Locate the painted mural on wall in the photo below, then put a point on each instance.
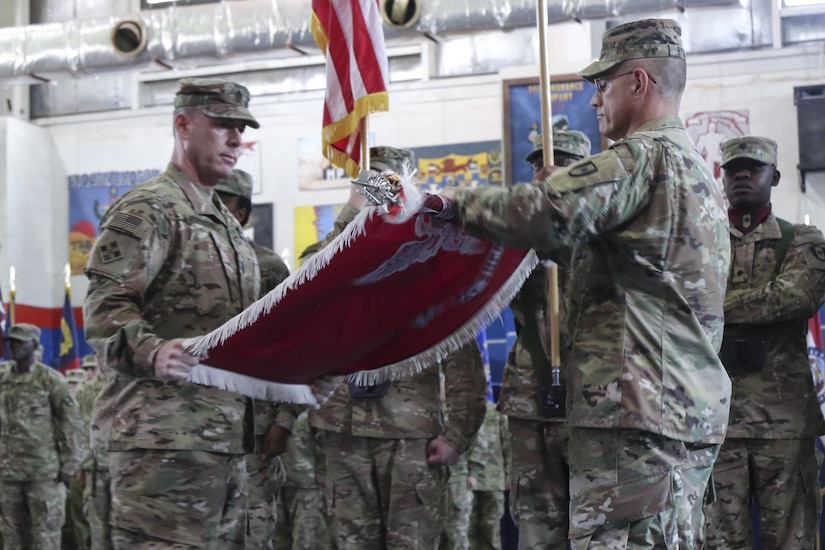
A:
(459, 165)
(90, 195)
(312, 223)
(710, 129)
(570, 105)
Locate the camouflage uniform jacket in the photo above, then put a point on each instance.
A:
(779, 401)
(411, 409)
(40, 433)
(302, 456)
(492, 451)
(170, 262)
(85, 403)
(648, 270)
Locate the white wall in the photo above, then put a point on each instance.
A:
(35, 218)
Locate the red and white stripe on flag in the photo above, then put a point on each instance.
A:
(350, 34)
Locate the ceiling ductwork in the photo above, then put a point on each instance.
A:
(243, 27)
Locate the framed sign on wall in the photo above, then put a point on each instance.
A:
(570, 104)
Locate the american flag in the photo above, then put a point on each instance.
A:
(349, 33)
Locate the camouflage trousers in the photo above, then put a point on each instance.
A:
(539, 480)
(485, 521)
(263, 479)
(302, 520)
(631, 489)
(782, 477)
(32, 514)
(177, 499)
(96, 501)
(382, 493)
(457, 518)
(75, 533)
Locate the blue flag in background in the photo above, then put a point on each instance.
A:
(69, 357)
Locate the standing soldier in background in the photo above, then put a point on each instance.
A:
(776, 283)
(74, 381)
(95, 476)
(492, 451)
(301, 518)
(539, 494)
(40, 445)
(172, 263)
(272, 422)
(77, 530)
(647, 396)
(388, 445)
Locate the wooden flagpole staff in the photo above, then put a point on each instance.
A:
(547, 149)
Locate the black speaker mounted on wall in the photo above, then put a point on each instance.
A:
(810, 116)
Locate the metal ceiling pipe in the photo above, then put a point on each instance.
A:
(224, 29)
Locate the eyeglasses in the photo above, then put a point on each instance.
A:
(601, 82)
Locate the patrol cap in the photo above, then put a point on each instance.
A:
(572, 142)
(216, 99)
(23, 332)
(391, 158)
(637, 40)
(89, 362)
(76, 376)
(760, 149)
(239, 183)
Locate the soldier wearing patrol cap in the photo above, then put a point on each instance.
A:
(647, 396)
(539, 499)
(171, 263)
(388, 446)
(776, 283)
(40, 445)
(272, 422)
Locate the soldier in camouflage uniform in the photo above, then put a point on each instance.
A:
(94, 471)
(539, 495)
(302, 521)
(74, 381)
(272, 422)
(170, 263)
(388, 446)
(492, 451)
(77, 529)
(647, 396)
(459, 506)
(776, 283)
(40, 445)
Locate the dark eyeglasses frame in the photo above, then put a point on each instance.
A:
(601, 82)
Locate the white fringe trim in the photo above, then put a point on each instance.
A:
(246, 385)
(201, 345)
(255, 388)
(467, 332)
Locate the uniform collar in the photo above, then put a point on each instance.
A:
(203, 203)
(747, 220)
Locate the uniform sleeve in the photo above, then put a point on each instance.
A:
(587, 199)
(466, 395)
(71, 446)
(286, 414)
(132, 247)
(797, 292)
(506, 452)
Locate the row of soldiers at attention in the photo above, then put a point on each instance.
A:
(685, 394)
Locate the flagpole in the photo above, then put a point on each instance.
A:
(365, 143)
(547, 147)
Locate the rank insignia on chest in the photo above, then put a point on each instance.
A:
(110, 252)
